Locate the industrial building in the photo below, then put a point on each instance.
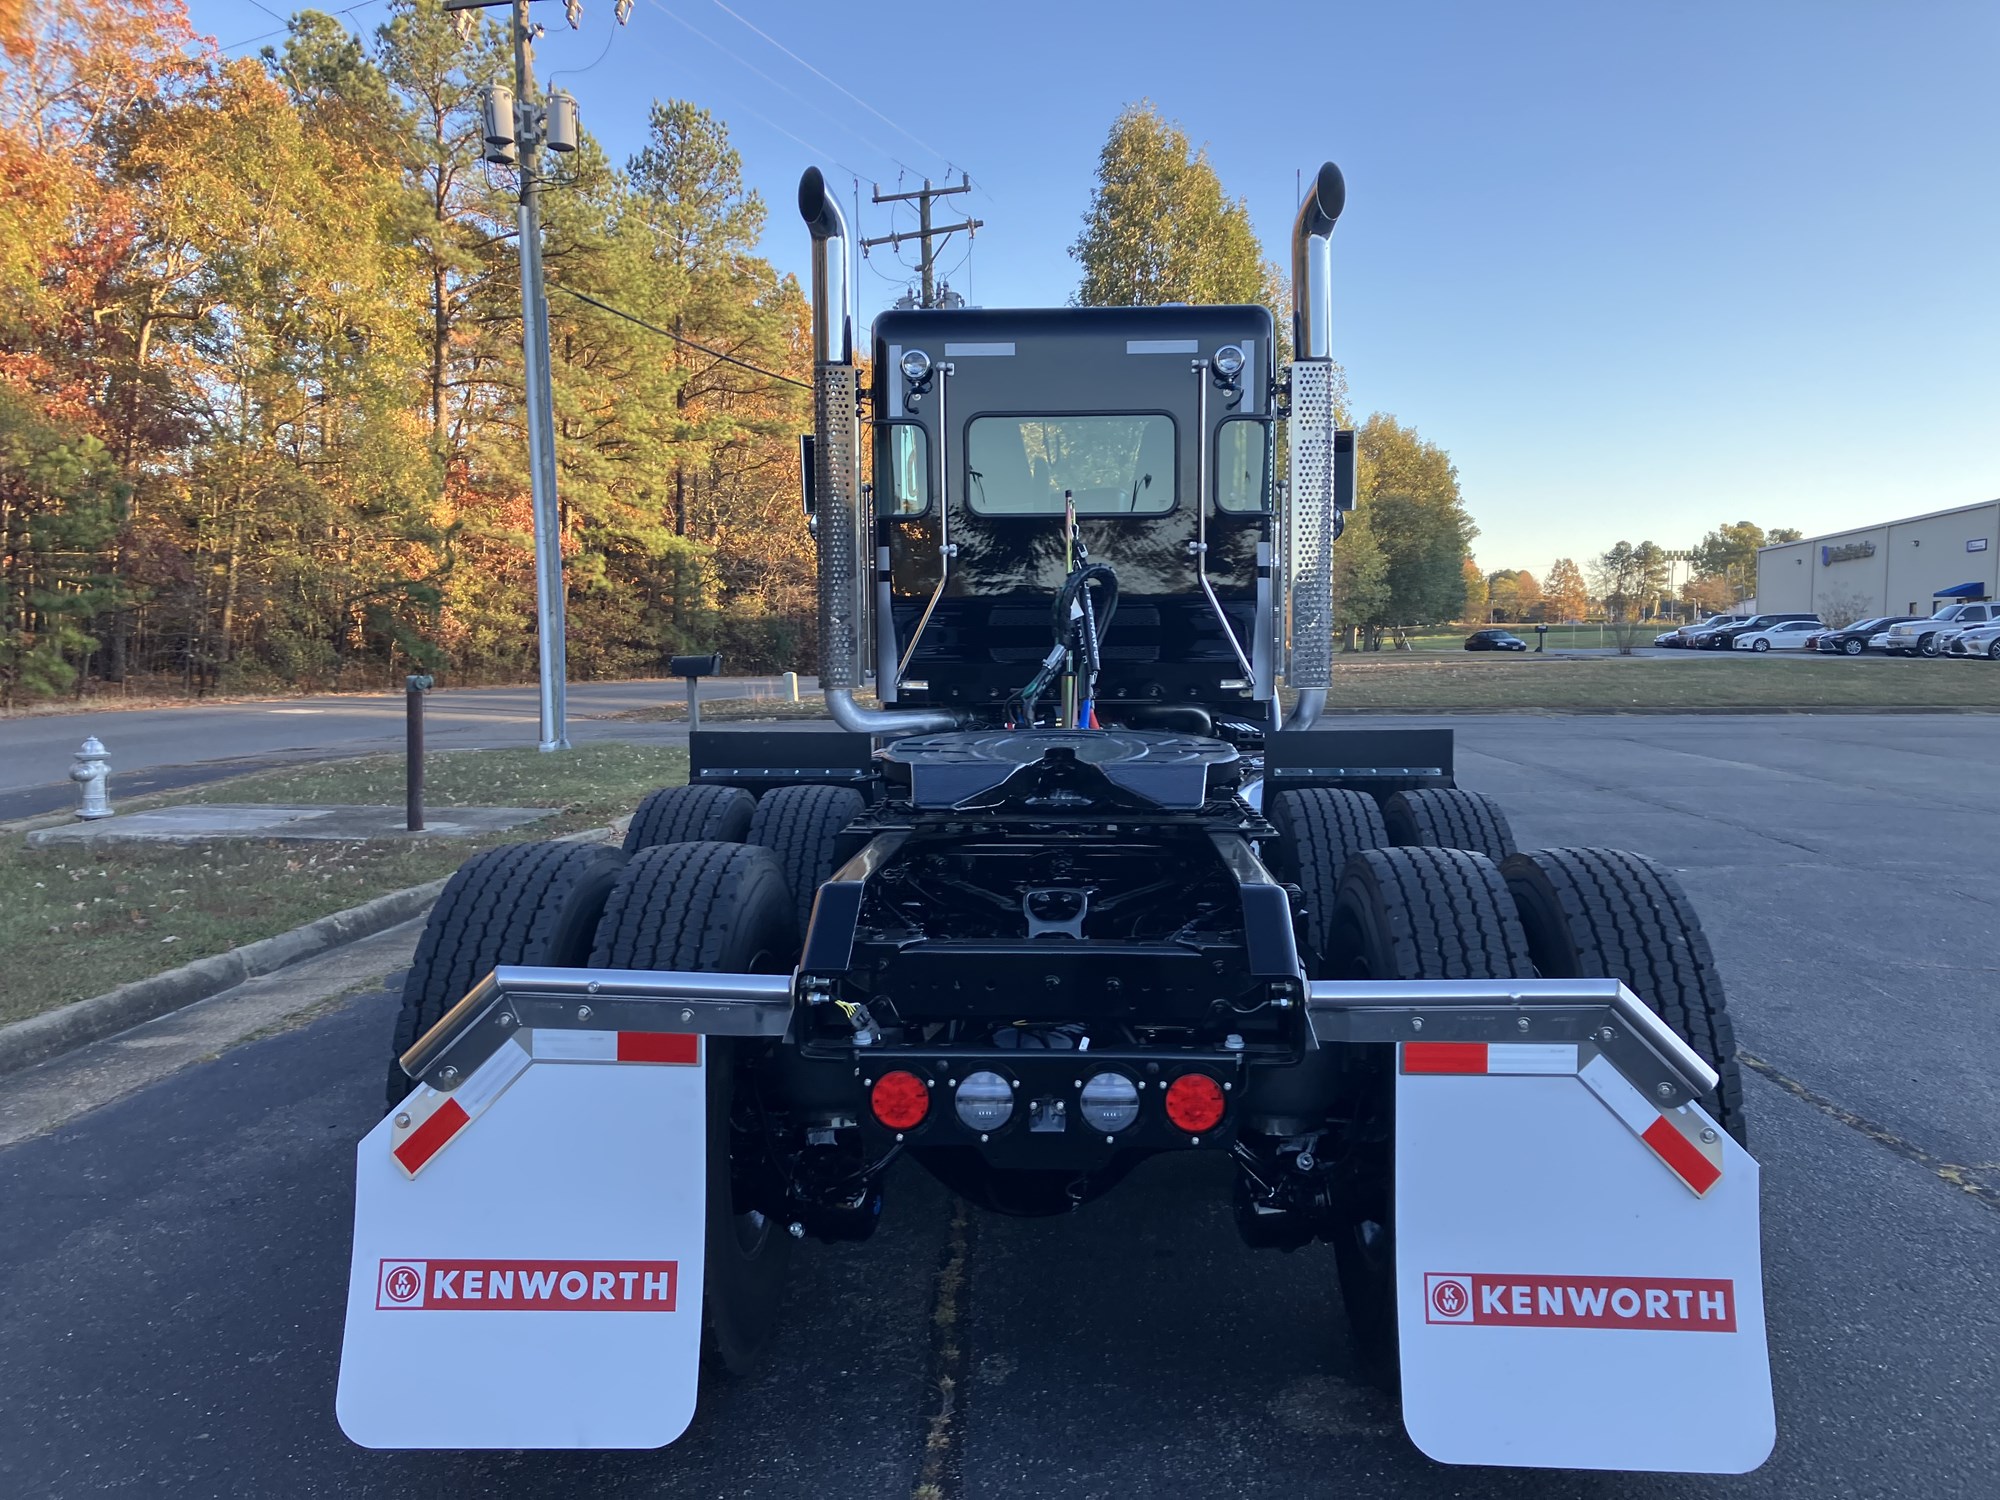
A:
(1897, 568)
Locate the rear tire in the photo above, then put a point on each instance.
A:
(689, 815)
(718, 907)
(1446, 818)
(518, 904)
(1610, 914)
(1993, 652)
(1319, 830)
(801, 826)
(1410, 913)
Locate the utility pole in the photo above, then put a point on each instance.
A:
(516, 128)
(926, 232)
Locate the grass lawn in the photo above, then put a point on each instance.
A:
(1480, 680)
(76, 921)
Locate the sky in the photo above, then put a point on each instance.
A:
(1640, 269)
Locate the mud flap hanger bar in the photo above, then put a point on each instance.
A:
(1598, 1013)
(513, 997)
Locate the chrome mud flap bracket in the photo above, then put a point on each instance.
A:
(529, 1224)
(1578, 1271)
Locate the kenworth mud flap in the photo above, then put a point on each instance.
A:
(1577, 1265)
(529, 1223)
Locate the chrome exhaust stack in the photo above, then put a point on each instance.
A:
(840, 526)
(1312, 429)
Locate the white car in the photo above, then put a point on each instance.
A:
(1786, 635)
(1979, 640)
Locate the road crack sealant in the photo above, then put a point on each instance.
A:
(1965, 1178)
(940, 1475)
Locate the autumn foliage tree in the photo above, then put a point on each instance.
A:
(260, 354)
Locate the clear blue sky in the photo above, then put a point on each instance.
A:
(1640, 269)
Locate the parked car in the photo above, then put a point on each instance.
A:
(1687, 633)
(1669, 640)
(1927, 637)
(1852, 640)
(1725, 637)
(1787, 635)
(1976, 640)
(1494, 640)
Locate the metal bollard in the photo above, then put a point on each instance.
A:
(92, 775)
(414, 688)
(792, 687)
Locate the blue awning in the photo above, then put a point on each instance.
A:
(1962, 591)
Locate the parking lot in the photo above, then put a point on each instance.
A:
(174, 1263)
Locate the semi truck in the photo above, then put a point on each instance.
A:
(1097, 874)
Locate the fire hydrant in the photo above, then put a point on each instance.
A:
(92, 775)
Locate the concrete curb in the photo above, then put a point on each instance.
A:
(54, 1032)
(25, 1043)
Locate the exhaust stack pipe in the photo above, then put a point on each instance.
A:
(837, 477)
(1312, 265)
(1312, 425)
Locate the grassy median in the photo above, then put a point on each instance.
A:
(1421, 682)
(77, 920)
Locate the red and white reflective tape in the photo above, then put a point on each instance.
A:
(1675, 1136)
(553, 1045)
(430, 1119)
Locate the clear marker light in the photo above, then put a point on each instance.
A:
(985, 1101)
(1228, 361)
(1110, 1102)
(916, 364)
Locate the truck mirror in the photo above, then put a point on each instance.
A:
(808, 496)
(1343, 470)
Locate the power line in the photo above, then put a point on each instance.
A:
(754, 113)
(282, 30)
(837, 84)
(668, 333)
(782, 88)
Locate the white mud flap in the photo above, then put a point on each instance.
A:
(528, 1251)
(1578, 1274)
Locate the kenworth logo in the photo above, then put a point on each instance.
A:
(528, 1285)
(1652, 1302)
(1851, 552)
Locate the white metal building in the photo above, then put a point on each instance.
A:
(1898, 568)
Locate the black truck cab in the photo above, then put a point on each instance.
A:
(1153, 424)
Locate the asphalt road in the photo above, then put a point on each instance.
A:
(172, 1264)
(164, 749)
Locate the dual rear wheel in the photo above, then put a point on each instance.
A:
(709, 880)
(1424, 910)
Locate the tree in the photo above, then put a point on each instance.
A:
(1160, 228)
(1565, 593)
(1628, 578)
(1408, 490)
(1475, 592)
(59, 501)
(1713, 595)
(1513, 594)
(1780, 534)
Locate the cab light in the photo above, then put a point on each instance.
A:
(1194, 1103)
(900, 1100)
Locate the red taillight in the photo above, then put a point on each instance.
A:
(900, 1100)
(1194, 1103)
